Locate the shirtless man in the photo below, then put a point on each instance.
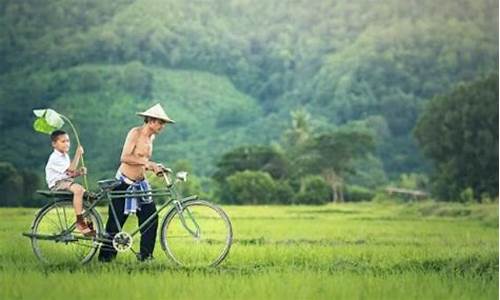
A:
(135, 161)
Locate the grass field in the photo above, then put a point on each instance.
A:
(349, 251)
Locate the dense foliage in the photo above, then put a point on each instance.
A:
(230, 73)
(459, 132)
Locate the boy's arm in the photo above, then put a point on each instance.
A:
(74, 164)
(79, 172)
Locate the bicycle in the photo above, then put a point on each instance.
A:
(193, 232)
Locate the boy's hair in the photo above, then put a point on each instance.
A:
(56, 134)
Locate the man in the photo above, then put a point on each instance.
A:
(135, 161)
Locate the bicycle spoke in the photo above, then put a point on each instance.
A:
(65, 218)
(67, 246)
(56, 226)
(59, 218)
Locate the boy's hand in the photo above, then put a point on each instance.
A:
(83, 171)
(79, 151)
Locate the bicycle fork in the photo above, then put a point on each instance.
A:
(196, 233)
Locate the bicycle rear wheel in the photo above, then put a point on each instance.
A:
(200, 236)
(52, 240)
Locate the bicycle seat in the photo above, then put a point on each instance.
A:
(65, 194)
(53, 194)
(108, 184)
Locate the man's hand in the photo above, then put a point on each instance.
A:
(157, 169)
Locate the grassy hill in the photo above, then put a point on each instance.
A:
(212, 116)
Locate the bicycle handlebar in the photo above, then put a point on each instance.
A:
(163, 170)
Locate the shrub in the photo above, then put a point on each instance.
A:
(283, 193)
(250, 187)
(357, 193)
(467, 195)
(313, 190)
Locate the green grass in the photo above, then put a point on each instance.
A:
(351, 251)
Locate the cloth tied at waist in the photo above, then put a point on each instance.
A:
(133, 203)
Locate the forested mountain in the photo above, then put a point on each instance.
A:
(230, 72)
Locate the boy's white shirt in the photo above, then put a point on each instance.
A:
(56, 167)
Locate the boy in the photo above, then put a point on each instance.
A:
(60, 172)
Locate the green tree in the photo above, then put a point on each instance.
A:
(313, 190)
(458, 131)
(332, 154)
(250, 187)
(300, 130)
(283, 192)
(256, 158)
(11, 185)
(17, 187)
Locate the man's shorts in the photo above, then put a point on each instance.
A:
(62, 185)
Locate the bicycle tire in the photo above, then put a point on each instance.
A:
(167, 228)
(41, 227)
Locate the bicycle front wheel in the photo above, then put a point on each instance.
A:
(199, 236)
(52, 239)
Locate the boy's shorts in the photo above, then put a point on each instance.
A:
(62, 185)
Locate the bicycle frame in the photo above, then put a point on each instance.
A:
(170, 190)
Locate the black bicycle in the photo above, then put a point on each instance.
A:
(194, 232)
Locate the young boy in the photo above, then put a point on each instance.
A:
(60, 172)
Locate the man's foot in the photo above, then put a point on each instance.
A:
(144, 257)
(104, 259)
(107, 253)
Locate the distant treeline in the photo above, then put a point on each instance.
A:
(457, 130)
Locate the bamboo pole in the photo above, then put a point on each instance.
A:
(85, 182)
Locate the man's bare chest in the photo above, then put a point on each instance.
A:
(144, 147)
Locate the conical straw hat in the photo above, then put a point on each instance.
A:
(156, 112)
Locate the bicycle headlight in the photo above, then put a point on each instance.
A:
(181, 176)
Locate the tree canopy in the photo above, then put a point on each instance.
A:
(459, 132)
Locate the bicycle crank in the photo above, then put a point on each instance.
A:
(122, 241)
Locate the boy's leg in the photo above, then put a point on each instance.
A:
(148, 233)
(81, 225)
(78, 192)
(107, 252)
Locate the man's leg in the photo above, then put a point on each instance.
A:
(107, 252)
(148, 233)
